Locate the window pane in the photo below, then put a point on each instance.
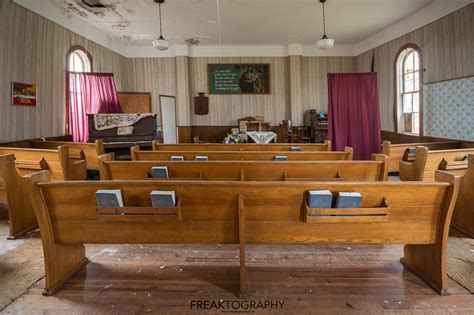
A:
(416, 102)
(408, 79)
(416, 123)
(416, 78)
(409, 62)
(416, 60)
(407, 103)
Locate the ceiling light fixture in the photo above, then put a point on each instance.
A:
(325, 43)
(161, 43)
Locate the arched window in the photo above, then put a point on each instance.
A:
(79, 60)
(408, 91)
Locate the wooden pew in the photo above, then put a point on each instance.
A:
(463, 216)
(426, 162)
(217, 212)
(140, 155)
(249, 170)
(77, 150)
(15, 164)
(326, 146)
(58, 161)
(395, 152)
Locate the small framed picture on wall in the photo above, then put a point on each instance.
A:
(24, 94)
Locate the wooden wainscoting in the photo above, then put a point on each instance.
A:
(213, 134)
(184, 134)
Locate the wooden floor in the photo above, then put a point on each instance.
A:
(320, 279)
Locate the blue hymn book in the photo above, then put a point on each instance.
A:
(163, 199)
(348, 200)
(281, 158)
(319, 199)
(177, 158)
(111, 198)
(159, 171)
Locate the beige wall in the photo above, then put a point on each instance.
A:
(33, 50)
(161, 76)
(224, 110)
(448, 52)
(315, 82)
(155, 75)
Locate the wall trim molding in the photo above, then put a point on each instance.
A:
(430, 13)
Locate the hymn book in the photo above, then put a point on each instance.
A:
(163, 199)
(319, 199)
(159, 172)
(110, 198)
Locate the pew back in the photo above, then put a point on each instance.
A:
(326, 146)
(139, 155)
(77, 150)
(249, 170)
(427, 162)
(274, 208)
(395, 152)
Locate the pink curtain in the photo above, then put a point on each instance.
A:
(89, 93)
(354, 114)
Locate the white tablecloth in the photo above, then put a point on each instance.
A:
(262, 137)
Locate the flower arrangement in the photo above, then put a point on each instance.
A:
(235, 136)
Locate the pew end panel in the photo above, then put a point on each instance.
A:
(350, 153)
(21, 216)
(103, 168)
(385, 162)
(463, 216)
(99, 144)
(134, 150)
(429, 261)
(61, 261)
(72, 169)
(413, 171)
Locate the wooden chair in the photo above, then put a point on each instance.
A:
(138, 154)
(375, 170)
(304, 135)
(463, 216)
(244, 213)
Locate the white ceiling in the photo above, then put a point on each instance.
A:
(132, 24)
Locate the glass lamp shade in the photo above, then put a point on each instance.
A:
(161, 43)
(325, 43)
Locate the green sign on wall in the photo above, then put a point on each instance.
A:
(239, 78)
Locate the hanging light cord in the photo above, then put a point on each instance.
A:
(324, 22)
(161, 31)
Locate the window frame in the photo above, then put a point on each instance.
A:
(398, 93)
(84, 51)
(68, 56)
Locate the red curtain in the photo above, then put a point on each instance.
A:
(89, 93)
(354, 113)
